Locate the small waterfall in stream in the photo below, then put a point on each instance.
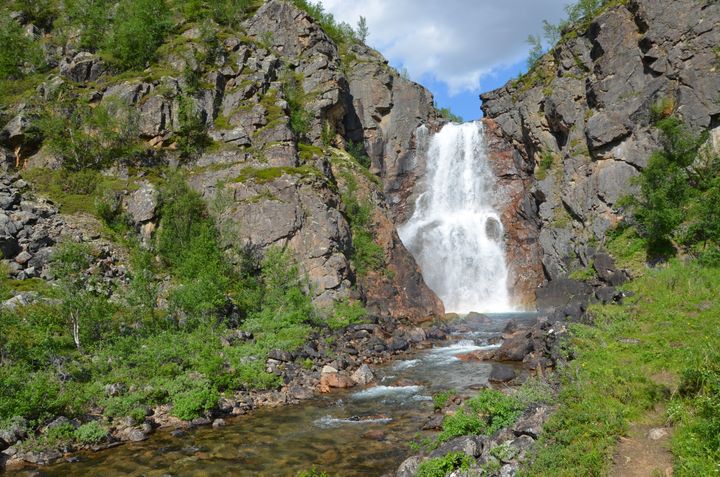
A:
(455, 234)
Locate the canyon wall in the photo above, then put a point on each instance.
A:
(582, 120)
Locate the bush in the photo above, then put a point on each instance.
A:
(192, 398)
(187, 242)
(90, 433)
(357, 151)
(295, 96)
(440, 399)
(139, 29)
(92, 18)
(90, 138)
(17, 50)
(191, 136)
(442, 466)
(366, 255)
(679, 190)
(345, 313)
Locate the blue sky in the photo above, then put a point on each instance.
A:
(455, 48)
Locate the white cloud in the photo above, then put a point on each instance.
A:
(457, 42)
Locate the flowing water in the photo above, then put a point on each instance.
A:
(455, 234)
(329, 431)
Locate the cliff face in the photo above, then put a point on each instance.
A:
(582, 117)
(264, 182)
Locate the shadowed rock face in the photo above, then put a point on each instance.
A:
(588, 106)
(389, 109)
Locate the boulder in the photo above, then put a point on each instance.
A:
(82, 67)
(501, 374)
(335, 380)
(363, 375)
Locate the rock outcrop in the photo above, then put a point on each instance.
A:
(582, 116)
(274, 99)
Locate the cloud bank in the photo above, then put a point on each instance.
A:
(456, 42)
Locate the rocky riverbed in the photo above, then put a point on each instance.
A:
(380, 387)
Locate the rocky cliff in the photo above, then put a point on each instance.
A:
(581, 120)
(263, 181)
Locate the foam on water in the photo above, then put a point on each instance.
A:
(386, 391)
(329, 421)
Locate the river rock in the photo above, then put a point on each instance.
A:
(501, 374)
(218, 423)
(409, 467)
(469, 445)
(335, 380)
(363, 375)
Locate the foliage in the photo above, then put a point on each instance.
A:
(362, 29)
(88, 137)
(628, 363)
(91, 433)
(441, 398)
(676, 194)
(497, 409)
(313, 472)
(17, 50)
(441, 466)
(450, 116)
(187, 242)
(345, 313)
(41, 13)
(367, 255)
(547, 160)
(340, 32)
(139, 28)
(295, 96)
(357, 151)
(191, 137)
(92, 18)
(536, 50)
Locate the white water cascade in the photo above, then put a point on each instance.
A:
(455, 234)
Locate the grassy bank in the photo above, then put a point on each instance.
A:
(659, 348)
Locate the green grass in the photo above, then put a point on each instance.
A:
(74, 192)
(628, 249)
(615, 379)
(441, 466)
(270, 174)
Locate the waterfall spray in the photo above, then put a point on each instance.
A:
(455, 234)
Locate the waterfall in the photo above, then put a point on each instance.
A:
(455, 234)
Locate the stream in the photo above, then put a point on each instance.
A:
(362, 431)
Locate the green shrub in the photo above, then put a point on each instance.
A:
(441, 466)
(139, 28)
(313, 472)
(450, 116)
(441, 398)
(17, 50)
(366, 254)
(340, 32)
(90, 137)
(678, 192)
(41, 13)
(192, 398)
(295, 96)
(191, 136)
(357, 151)
(345, 313)
(91, 433)
(92, 18)
(497, 409)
